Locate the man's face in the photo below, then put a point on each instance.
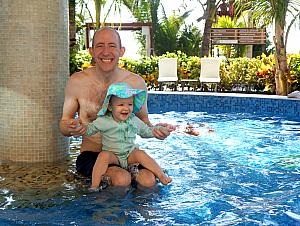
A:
(106, 50)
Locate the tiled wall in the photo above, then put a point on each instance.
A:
(219, 103)
(33, 70)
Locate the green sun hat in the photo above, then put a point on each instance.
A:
(123, 90)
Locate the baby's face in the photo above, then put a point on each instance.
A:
(121, 108)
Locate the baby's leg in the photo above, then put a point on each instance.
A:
(104, 159)
(139, 156)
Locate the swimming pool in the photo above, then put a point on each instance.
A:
(247, 172)
(271, 105)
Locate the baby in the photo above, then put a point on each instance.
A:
(119, 126)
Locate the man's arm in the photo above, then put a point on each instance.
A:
(137, 82)
(68, 125)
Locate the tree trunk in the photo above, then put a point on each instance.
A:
(209, 15)
(72, 25)
(98, 5)
(155, 25)
(205, 46)
(280, 61)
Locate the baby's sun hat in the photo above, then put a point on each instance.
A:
(123, 90)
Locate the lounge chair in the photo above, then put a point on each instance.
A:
(189, 83)
(295, 94)
(210, 72)
(167, 73)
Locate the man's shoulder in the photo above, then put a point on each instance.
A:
(82, 75)
(134, 76)
(134, 80)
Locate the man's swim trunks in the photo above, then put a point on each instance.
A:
(87, 159)
(85, 162)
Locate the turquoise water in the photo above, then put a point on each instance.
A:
(247, 172)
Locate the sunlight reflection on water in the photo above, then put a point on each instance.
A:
(247, 172)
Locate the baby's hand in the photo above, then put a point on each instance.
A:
(169, 127)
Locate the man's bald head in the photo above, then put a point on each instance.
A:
(108, 29)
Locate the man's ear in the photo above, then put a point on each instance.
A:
(91, 51)
(122, 51)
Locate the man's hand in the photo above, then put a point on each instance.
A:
(75, 127)
(163, 132)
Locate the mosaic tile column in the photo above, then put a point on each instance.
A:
(33, 71)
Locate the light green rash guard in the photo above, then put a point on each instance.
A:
(119, 137)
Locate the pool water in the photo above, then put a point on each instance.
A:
(247, 172)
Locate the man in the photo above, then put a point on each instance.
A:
(85, 92)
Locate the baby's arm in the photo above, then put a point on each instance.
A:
(148, 132)
(93, 127)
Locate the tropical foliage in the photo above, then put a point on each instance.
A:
(79, 60)
(231, 50)
(147, 67)
(99, 7)
(294, 66)
(256, 75)
(173, 35)
(170, 34)
(265, 12)
(209, 8)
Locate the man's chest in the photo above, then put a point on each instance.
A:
(90, 101)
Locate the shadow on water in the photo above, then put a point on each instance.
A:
(55, 195)
(40, 185)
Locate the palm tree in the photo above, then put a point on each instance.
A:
(210, 9)
(145, 11)
(99, 5)
(167, 33)
(142, 9)
(265, 12)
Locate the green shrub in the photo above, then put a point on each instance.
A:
(147, 67)
(242, 74)
(294, 65)
(79, 60)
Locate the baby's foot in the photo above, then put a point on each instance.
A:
(134, 170)
(93, 189)
(164, 179)
(105, 182)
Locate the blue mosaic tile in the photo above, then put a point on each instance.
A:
(214, 103)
